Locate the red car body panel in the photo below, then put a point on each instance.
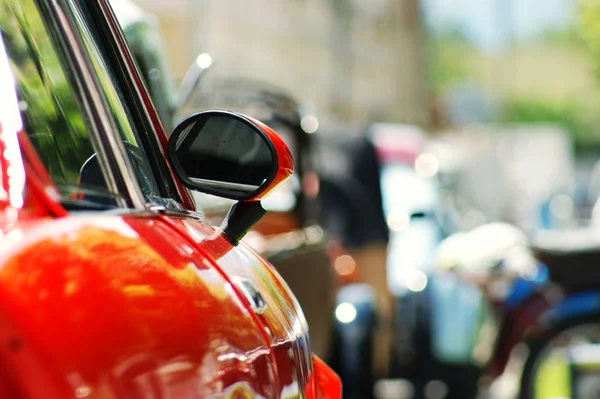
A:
(285, 167)
(109, 306)
(133, 303)
(282, 319)
(144, 307)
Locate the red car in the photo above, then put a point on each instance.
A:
(111, 284)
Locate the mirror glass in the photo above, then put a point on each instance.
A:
(224, 153)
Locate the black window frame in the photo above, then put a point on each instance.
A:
(99, 16)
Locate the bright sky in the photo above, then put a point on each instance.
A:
(486, 21)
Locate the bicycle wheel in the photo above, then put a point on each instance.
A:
(551, 369)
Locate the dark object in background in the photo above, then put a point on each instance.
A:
(571, 258)
(420, 365)
(350, 187)
(353, 342)
(352, 213)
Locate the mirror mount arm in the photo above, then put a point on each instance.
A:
(242, 216)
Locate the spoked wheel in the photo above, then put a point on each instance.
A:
(565, 364)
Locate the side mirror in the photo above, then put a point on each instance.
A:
(233, 156)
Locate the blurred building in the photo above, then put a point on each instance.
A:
(350, 59)
(546, 70)
(507, 172)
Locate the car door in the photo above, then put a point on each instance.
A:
(280, 313)
(281, 321)
(114, 302)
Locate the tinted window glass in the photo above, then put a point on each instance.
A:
(50, 112)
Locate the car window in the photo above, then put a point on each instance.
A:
(52, 113)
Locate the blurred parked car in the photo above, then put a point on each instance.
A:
(111, 284)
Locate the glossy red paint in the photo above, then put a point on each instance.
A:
(287, 330)
(282, 319)
(127, 307)
(41, 194)
(19, 362)
(141, 306)
(327, 383)
(138, 305)
(285, 161)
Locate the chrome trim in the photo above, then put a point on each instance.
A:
(62, 14)
(130, 72)
(168, 203)
(248, 188)
(154, 210)
(134, 76)
(251, 293)
(80, 73)
(160, 209)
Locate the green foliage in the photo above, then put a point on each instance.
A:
(51, 116)
(570, 37)
(589, 29)
(450, 56)
(577, 119)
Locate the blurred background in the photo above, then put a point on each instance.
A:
(457, 69)
(440, 229)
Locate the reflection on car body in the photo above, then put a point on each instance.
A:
(135, 297)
